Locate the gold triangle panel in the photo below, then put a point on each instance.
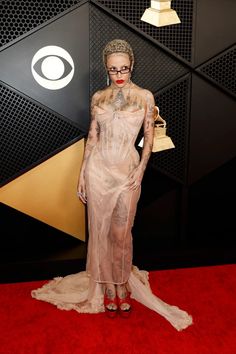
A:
(48, 192)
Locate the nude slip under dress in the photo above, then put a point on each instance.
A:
(111, 211)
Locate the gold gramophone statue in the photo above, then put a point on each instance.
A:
(160, 140)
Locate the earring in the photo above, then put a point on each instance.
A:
(108, 80)
(130, 78)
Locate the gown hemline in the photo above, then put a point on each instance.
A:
(80, 293)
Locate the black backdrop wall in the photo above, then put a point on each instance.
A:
(185, 215)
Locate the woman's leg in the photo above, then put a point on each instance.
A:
(110, 297)
(120, 235)
(123, 297)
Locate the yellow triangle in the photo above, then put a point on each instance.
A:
(48, 192)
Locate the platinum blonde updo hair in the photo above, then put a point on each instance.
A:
(118, 46)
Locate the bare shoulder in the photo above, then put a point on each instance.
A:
(147, 94)
(100, 95)
(96, 95)
(96, 98)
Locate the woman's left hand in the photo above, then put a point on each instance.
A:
(135, 179)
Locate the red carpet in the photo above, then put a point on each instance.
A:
(29, 326)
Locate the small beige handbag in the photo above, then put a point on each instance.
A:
(160, 140)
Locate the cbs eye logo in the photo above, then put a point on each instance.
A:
(53, 62)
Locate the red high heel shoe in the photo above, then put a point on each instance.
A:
(126, 300)
(111, 312)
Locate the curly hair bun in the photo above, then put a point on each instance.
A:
(117, 46)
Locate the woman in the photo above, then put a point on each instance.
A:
(111, 173)
(110, 183)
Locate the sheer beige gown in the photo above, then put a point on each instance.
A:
(111, 211)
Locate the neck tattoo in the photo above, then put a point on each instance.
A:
(119, 101)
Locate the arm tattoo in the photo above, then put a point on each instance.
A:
(148, 131)
(94, 131)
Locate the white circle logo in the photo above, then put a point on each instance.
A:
(53, 62)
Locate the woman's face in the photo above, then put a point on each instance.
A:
(119, 61)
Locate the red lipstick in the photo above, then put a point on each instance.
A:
(120, 81)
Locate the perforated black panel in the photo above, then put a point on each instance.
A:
(28, 133)
(153, 68)
(19, 17)
(174, 103)
(222, 69)
(177, 38)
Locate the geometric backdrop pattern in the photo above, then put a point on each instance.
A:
(29, 133)
(222, 70)
(29, 63)
(33, 131)
(153, 68)
(176, 38)
(173, 94)
(174, 105)
(41, 149)
(19, 17)
(47, 192)
(26, 142)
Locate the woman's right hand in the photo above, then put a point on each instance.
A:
(81, 190)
